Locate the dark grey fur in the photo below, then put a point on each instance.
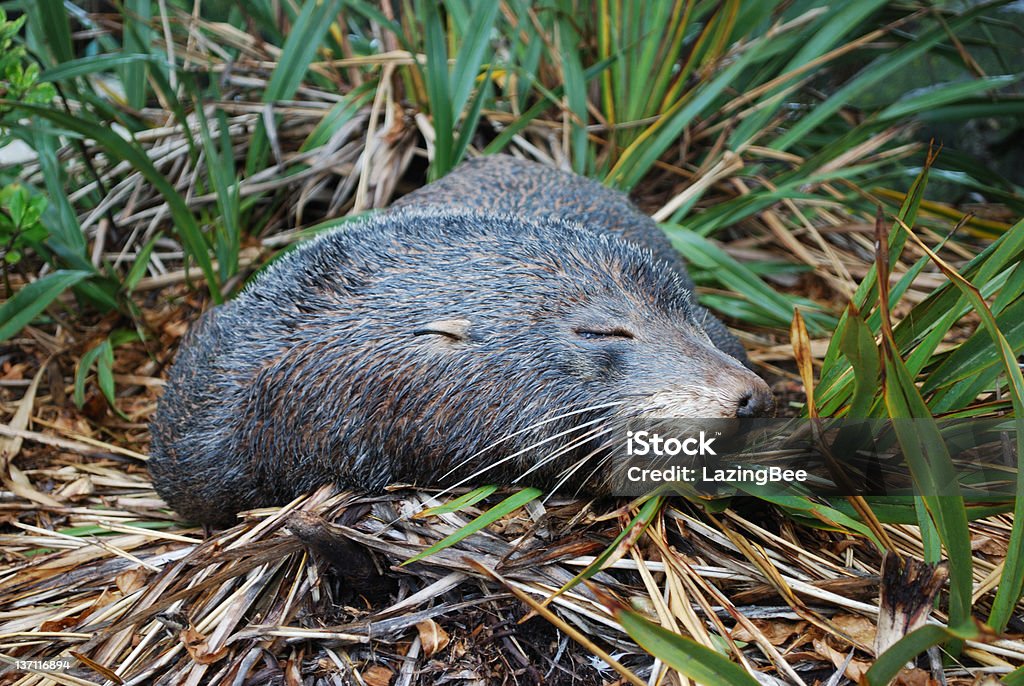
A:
(501, 183)
(341, 362)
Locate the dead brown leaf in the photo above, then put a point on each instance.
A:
(105, 672)
(72, 424)
(989, 546)
(13, 372)
(778, 632)
(63, 623)
(854, 671)
(177, 328)
(377, 675)
(432, 636)
(80, 488)
(292, 672)
(131, 580)
(860, 629)
(913, 677)
(197, 646)
(76, 619)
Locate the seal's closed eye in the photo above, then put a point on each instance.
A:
(455, 329)
(592, 333)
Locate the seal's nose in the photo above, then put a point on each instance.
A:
(756, 402)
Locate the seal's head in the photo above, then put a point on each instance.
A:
(569, 311)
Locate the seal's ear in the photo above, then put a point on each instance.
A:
(455, 329)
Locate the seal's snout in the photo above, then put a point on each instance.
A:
(749, 394)
(756, 402)
(726, 392)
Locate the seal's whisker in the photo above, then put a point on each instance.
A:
(572, 469)
(516, 454)
(605, 459)
(575, 466)
(531, 427)
(576, 443)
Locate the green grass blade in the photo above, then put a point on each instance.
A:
(138, 35)
(220, 163)
(505, 137)
(140, 264)
(575, 86)
(82, 369)
(975, 108)
(900, 509)
(338, 116)
(436, 77)
(686, 656)
(932, 470)
(460, 503)
(65, 233)
(975, 363)
(875, 73)
(824, 34)
(1012, 579)
(774, 305)
(94, 64)
(306, 36)
(56, 30)
(300, 48)
(506, 506)
(473, 53)
(631, 532)
(893, 660)
(472, 118)
(834, 386)
(1014, 678)
(858, 344)
(105, 371)
(21, 309)
(130, 152)
(641, 155)
(821, 516)
(942, 94)
(1010, 291)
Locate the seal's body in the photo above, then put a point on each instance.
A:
(430, 346)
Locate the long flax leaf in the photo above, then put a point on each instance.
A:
(874, 73)
(686, 656)
(472, 54)
(28, 302)
(130, 152)
(435, 74)
(506, 506)
(136, 16)
(56, 30)
(305, 37)
(889, 664)
(575, 87)
(925, 452)
(1012, 579)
